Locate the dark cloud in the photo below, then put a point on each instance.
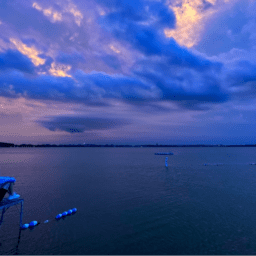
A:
(163, 15)
(140, 11)
(243, 72)
(98, 86)
(140, 26)
(93, 86)
(144, 31)
(12, 59)
(15, 84)
(241, 80)
(165, 72)
(77, 124)
(170, 71)
(187, 87)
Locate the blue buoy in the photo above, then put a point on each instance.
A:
(58, 216)
(69, 212)
(64, 213)
(25, 226)
(33, 223)
(74, 210)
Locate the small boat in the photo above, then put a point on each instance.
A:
(163, 153)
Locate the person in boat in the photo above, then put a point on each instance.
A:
(6, 185)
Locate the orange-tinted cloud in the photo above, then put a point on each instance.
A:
(54, 15)
(31, 52)
(59, 70)
(191, 17)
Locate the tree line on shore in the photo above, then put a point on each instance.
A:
(4, 144)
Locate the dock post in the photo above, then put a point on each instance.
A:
(6, 203)
(2, 217)
(21, 213)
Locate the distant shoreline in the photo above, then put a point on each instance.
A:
(8, 145)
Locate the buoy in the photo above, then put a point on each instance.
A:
(46, 221)
(64, 214)
(58, 216)
(25, 226)
(33, 223)
(74, 210)
(166, 164)
(69, 212)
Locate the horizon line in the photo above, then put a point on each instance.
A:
(5, 144)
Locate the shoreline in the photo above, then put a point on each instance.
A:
(8, 145)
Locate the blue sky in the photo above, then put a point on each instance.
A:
(128, 72)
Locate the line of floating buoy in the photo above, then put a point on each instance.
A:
(58, 216)
(30, 225)
(25, 226)
(64, 214)
(213, 164)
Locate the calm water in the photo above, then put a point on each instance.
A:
(129, 203)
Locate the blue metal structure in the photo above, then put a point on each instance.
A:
(6, 203)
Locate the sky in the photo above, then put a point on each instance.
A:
(128, 72)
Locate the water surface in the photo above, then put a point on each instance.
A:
(129, 203)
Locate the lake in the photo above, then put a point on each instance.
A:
(128, 202)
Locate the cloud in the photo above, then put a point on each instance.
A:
(144, 31)
(54, 15)
(59, 70)
(65, 7)
(70, 59)
(231, 27)
(242, 73)
(162, 70)
(78, 124)
(31, 52)
(12, 59)
(141, 27)
(183, 85)
(10, 118)
(15, 84)
(72, 8)
(241, 80)
(111, 61)
(186, 89)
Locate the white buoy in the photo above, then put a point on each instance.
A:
(33, 223)
(25, 226)
(166, 164)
